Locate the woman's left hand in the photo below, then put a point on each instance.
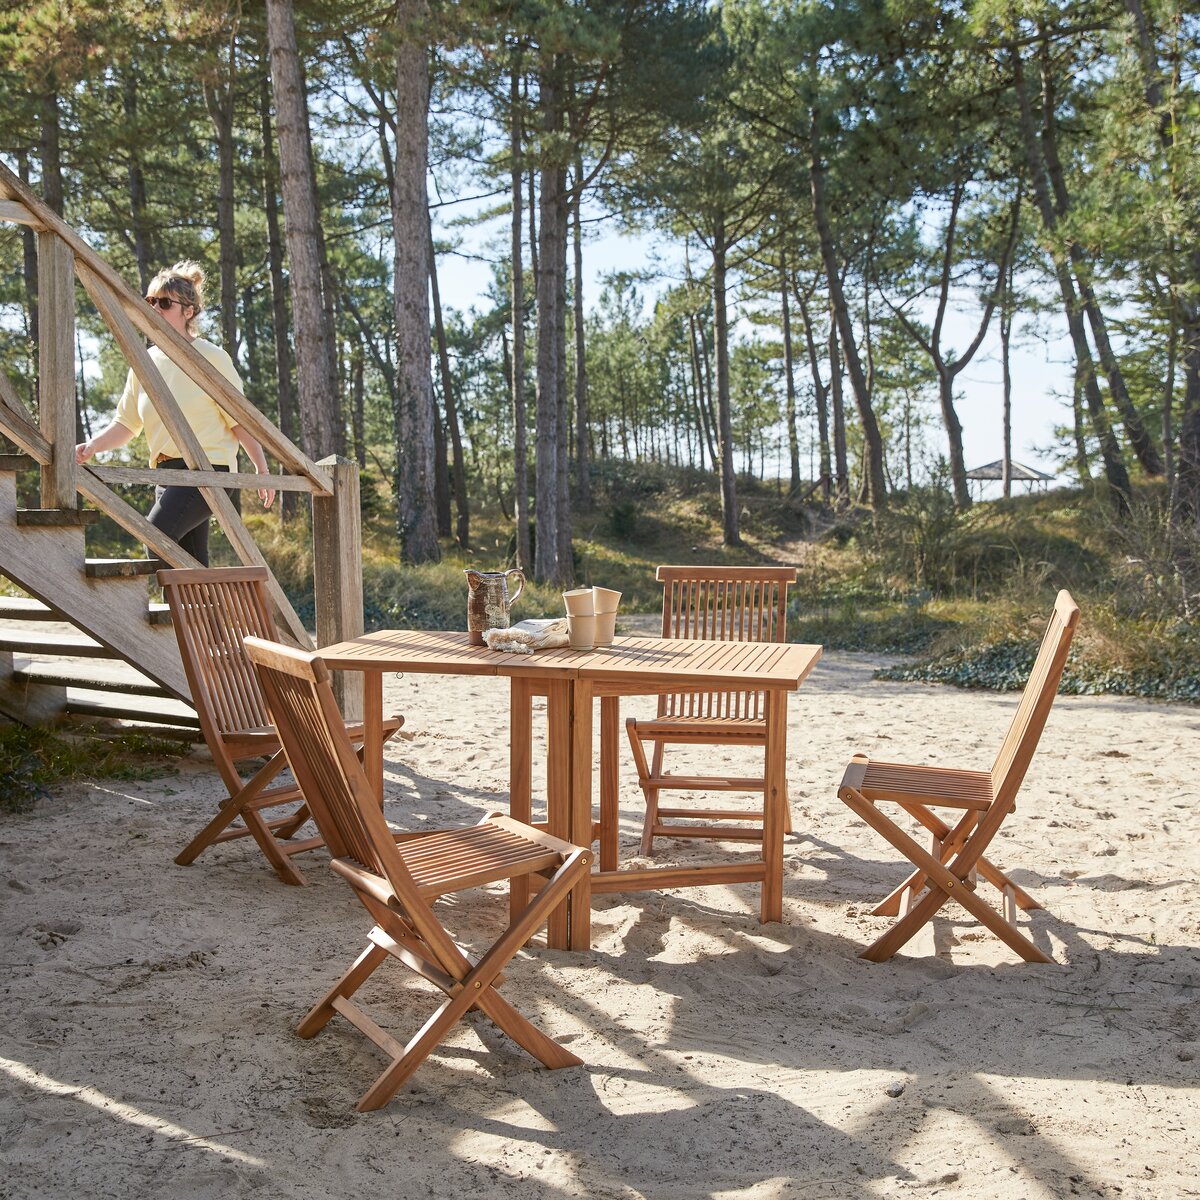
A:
(267, 496)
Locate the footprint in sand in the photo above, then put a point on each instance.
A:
(49, 936)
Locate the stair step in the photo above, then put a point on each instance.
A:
(39, 645)
(114, 568)
(82, 702)
(129, 683)
(47, 517)
(26, 608)
(16, 462)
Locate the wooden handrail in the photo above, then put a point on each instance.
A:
(174, 477)
(15, 211)
(17, 424)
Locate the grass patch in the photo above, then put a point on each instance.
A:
(32, 760)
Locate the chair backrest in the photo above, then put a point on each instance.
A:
(725, 604)
(1021, 741)
(212, 610)
(318, 749)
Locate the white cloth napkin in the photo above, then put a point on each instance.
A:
(527, 636)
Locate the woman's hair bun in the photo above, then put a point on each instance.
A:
(193, 272)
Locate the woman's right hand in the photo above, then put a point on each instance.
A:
(83, 452)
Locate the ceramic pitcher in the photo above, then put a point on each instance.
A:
(488, 601)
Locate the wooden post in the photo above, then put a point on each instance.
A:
(337, 573)
(56, 367)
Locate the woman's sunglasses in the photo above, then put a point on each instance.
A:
(164, 302)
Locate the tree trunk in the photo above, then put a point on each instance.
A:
(415, 417)
(1110, 452)
(821, 401)
(358, 404)
(520, 450)
(50, 146)
(790, 380)
(29, 267)
(551, 336)
(219, 101)
(315, 364)
(875, 486)
(583, 479)
(1187, 288)
(1006, 325)
(729, 503)
(705, 428)
(462, 530)
(285, 394)
(137, 182)
(1139, 440)
(841, 463)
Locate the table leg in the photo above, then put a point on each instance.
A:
(558, 791)
(610, 816)
(580, 934)
(373, 730)
(520, 776)
(774, 799)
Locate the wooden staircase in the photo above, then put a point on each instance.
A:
(61, 647)
(92, 614)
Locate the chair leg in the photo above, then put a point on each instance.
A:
(476, 988)
(884, 947)
(643, 773)
(986, 868)
(360, 971)
(231, 809)
(942, 880)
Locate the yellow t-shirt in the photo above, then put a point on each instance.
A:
(210, 423)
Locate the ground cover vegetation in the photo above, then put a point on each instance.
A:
(836, 181)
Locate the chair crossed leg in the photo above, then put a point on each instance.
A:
(271, 835)
(468, 984)
(947, 842)
(948, 874)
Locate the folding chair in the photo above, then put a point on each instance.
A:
(984, 798)
(721, 604)
(397, 877)
(212, 611)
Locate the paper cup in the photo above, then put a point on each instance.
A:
(579, 602)
(606, 626)
(605, 599)
(581, 631)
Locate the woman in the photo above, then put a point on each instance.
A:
(181, 512)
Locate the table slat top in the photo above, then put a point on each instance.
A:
(652, 660)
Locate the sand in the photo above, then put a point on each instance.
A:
(146, 1045)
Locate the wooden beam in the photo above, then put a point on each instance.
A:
(185, 439)
(56, 368)
(15, 211)
(150, 324)
(337, 573)
(17, 424)
(132, 521)
(222, 479)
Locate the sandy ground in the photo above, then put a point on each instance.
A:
(146, 1044)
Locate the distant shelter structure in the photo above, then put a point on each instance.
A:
(1017, 473)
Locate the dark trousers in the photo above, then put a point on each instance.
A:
(182, 513)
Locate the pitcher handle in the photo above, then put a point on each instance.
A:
(520, 586)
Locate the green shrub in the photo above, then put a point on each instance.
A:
(34, 759)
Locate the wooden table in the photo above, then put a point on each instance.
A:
(571, 680)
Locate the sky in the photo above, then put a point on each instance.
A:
(1041, 354)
